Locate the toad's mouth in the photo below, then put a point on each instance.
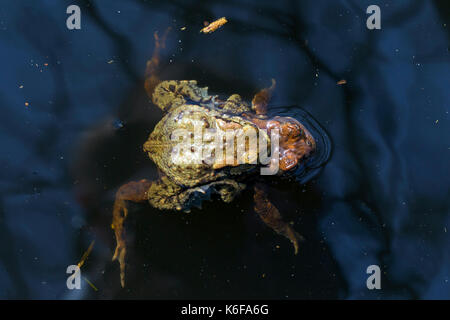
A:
(295, 141)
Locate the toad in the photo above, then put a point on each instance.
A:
(208, 164)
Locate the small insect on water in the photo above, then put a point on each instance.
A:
(213, 26)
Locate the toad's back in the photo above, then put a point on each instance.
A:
(192, 163)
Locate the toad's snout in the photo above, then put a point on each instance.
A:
(294, 140)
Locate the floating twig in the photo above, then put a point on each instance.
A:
(213, 26)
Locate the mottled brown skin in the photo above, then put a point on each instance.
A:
(295, 141)
(182, 186)
(135, 191)
(262, 98)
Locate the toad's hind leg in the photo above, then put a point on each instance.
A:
(262, 98)
(151, 71)
(270, 215)
(135, 191)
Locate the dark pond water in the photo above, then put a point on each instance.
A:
(383, 198)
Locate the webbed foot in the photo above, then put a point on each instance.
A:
(294, 236)
(135, 191)
(151, 71)
(270, 215)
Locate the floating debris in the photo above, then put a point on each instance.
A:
(86, 254)
(21, 87)
(213, 26)
(90, 283)
(340, 82)
(183, 28)
(110, 61)
(83, 259)
(26, 104)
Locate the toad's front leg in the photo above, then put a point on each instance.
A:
(262, 99)
(270, 215)
(151, 71)
(135, 191)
